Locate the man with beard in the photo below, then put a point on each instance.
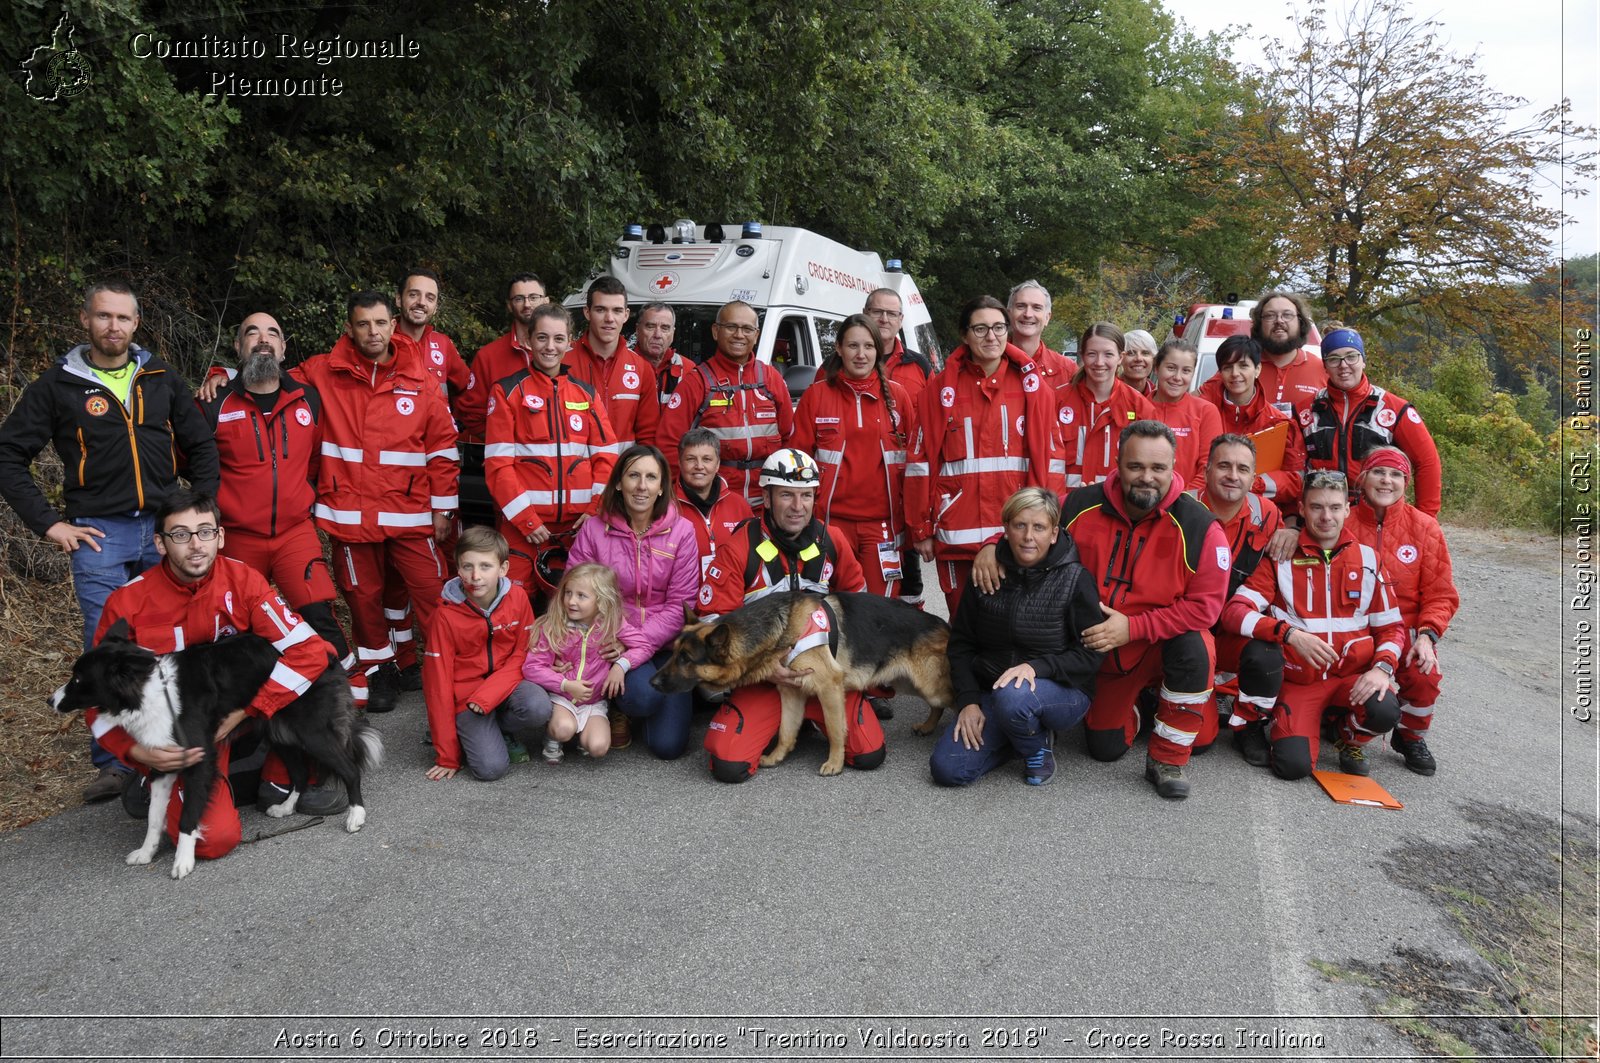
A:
(623, 380)
(511, 353)
(269, 438)
(419, 303)
(1160, 562)
(117, 416)
(1281, 322)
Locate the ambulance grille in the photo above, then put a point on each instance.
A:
(659, 257)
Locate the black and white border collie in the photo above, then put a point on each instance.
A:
(180, 699)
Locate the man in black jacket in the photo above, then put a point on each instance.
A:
(119, 417)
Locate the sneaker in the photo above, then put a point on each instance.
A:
(269, 794)
(553, 751)
(1167, 778)
(1419, 758)
(383, 689)
(327, 798)
(136, 797)
(1251, 742)
(106, 785)
(880, 708)
(515, 749)
(621, 733)
(1041, 767)
(1353, 759)
(410, 677)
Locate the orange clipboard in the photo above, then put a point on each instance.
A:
(1355, 790)
(1270, 443)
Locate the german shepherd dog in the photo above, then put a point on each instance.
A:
(876, 641)
(180, 699)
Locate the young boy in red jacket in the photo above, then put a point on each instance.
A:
(472, 668)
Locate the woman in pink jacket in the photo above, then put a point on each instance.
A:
(640, 535)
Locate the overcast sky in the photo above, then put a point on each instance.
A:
(1540, 50)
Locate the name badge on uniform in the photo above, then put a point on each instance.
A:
(889, 562)
(722, 400)
(577, 405)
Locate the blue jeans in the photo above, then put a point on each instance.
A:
(1016, 721)
(128, 549)
(665, 716)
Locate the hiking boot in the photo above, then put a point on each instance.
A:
(327, 798)
(383, 689)
(1419, 758)
(1251, 742)
(621, 733)
(108, 784)
(515, 749)
(1167, 778)
(1353, 758)
(410, 677)
(1041, 767)
(553, 751)
(136, 797)
(880, 707)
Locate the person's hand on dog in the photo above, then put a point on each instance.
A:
(229, 722)
(789, 677)
(436, 773)
(613, 684)
(986, 573)
(1016, 675)
(166, 758)
(969, 727)
(580, 692)
(1109, 634)
(69, 536)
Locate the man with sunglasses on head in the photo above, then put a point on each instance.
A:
(739, 397)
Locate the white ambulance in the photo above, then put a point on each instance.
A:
(802, 285)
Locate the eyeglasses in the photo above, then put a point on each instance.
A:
(535, 299)
(205, 533)
(739, 330)
(984, 331)
(1334, 363)
(1282, 315)
(889, 315)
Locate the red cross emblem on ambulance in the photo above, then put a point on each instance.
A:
(665, 282)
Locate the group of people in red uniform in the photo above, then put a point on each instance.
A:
(1249, 544)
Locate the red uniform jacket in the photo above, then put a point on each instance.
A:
(1056, 369)
(1338, 595)
(861, 447)
(713, 520)
(1256, 522)
(1291, 388)
(625, 384)
(471, 656)
(440, 357)
(750, 565)
(908, 369)
(1167, 573)
(975, 442)
(1342, 427)
(748, 408)
(669, 374)
(269, 464)
(1257, 415)
(548, 450)
(1196, 423)
(494, 361)
(1411, 547)
(1090, 430)
(165, 616)
(388, 445)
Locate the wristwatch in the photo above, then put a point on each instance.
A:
(1386, 668)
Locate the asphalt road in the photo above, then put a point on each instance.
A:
(639, 901)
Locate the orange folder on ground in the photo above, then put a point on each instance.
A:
(1355, 790)
(1269, 446)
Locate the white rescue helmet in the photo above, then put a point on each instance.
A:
(790, 468)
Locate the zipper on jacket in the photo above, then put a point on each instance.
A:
(83, 456)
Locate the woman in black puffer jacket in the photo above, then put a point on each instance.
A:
(1017, 661)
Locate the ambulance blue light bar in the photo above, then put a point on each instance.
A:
(751, 231)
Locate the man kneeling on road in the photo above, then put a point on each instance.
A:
(784, 549)
(1329, 608)
(194, 596)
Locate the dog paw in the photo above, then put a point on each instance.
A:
(922, 729)
(142, 855)
(284, 807)
(831, 767)
(181, 866)
(770, 760)
(356, 819)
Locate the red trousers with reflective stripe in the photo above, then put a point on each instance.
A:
(864, 537)
(1300, 709)
(745, 725)
(1417, 691)
(292, 560)
(953, 579)
(1115, 706)
(360, 568)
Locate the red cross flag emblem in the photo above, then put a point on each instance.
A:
(665, 282)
